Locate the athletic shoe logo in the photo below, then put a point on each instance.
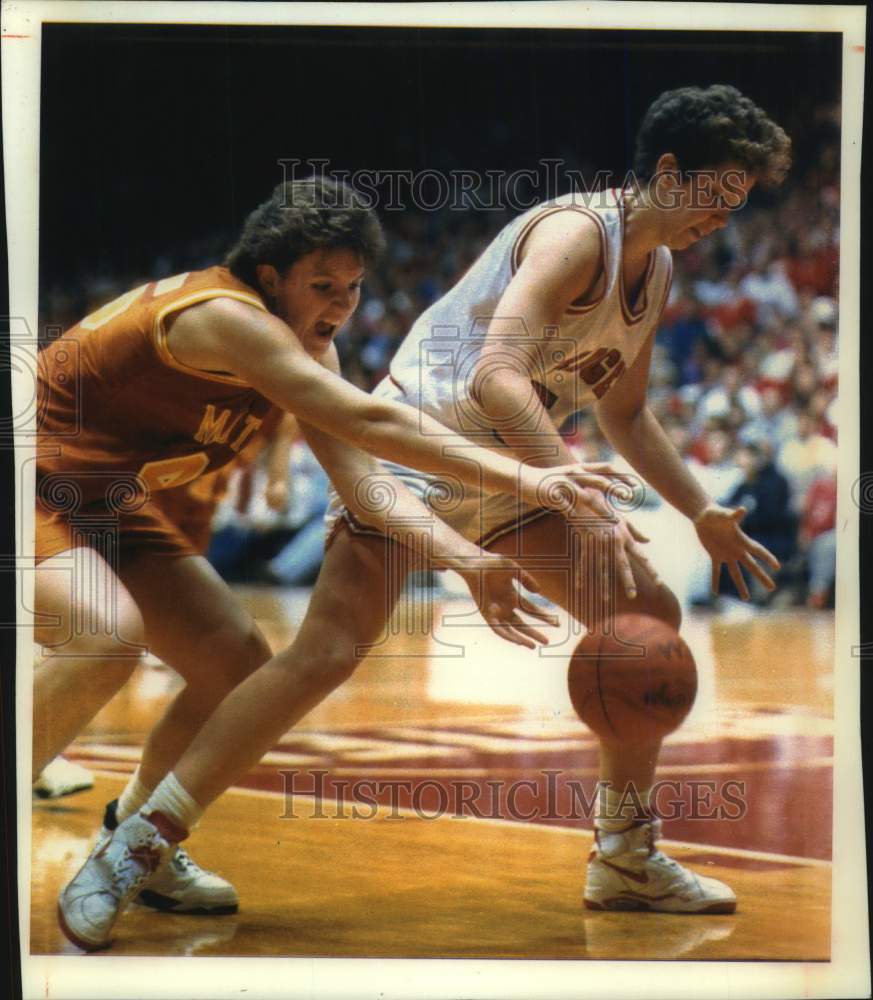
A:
(640, 877)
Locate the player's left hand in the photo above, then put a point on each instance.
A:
(494, 586)
(719, 531)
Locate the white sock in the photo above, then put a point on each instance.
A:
(171, 799)
(134, 796)
(618, 808)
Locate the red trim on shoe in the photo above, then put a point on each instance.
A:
(167, 828)
(640, 877)
(75, 939)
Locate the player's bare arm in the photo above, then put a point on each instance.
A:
(357, 476)
(493, 590)
(278, 462)
(229, 336)
(634, 431)
(561, 263)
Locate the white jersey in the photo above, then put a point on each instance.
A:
(436, 366)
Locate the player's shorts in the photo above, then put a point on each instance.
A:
(192, 511)
(148, 529)
(480, 518)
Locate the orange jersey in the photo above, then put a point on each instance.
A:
(191, 508)
(117, 410)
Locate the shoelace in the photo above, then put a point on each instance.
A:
(186, 863)
(656, 855)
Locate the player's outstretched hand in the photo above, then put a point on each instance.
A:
(719, 531)
(584, 494)
(493, 584)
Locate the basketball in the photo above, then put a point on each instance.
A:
(625, 695)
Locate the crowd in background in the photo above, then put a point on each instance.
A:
(744, 374)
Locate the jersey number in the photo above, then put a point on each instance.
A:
(169, 472)
(117, 306)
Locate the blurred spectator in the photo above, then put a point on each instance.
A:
(299, 561)
(806, 457)
(818, 539)
(249, 531)
(769, 520)
(771, 291)
(712, 461)
(773, 426)
(727, 392)
(804, 382)
(685, 336)
(788, 349)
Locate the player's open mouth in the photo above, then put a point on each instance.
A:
(324, 330)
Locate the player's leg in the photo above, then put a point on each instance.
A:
(625, 870)
(92, 637)
(352, 599)
(194, 624)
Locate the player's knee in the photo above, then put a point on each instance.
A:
(113, 671)
(115, 640)
(235, 654)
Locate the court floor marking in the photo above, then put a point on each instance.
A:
(741, 852)
(724, 767)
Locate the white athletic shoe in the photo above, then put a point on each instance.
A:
(627, 872)
(180, 885)
(62, 777)
(116, 870)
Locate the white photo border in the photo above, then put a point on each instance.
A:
(847, 974)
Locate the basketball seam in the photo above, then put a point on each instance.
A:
(600, 688)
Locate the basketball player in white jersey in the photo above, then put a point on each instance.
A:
(559, 312)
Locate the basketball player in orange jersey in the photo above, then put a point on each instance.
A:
(592, 279)
(171, 381)
(184, 887)
(191, 508)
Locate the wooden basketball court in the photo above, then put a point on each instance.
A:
(435, 805)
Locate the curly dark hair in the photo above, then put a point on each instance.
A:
(302, 216)
(708, 127)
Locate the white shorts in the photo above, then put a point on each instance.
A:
(479, 517)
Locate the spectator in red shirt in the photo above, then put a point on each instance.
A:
(818, 537)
